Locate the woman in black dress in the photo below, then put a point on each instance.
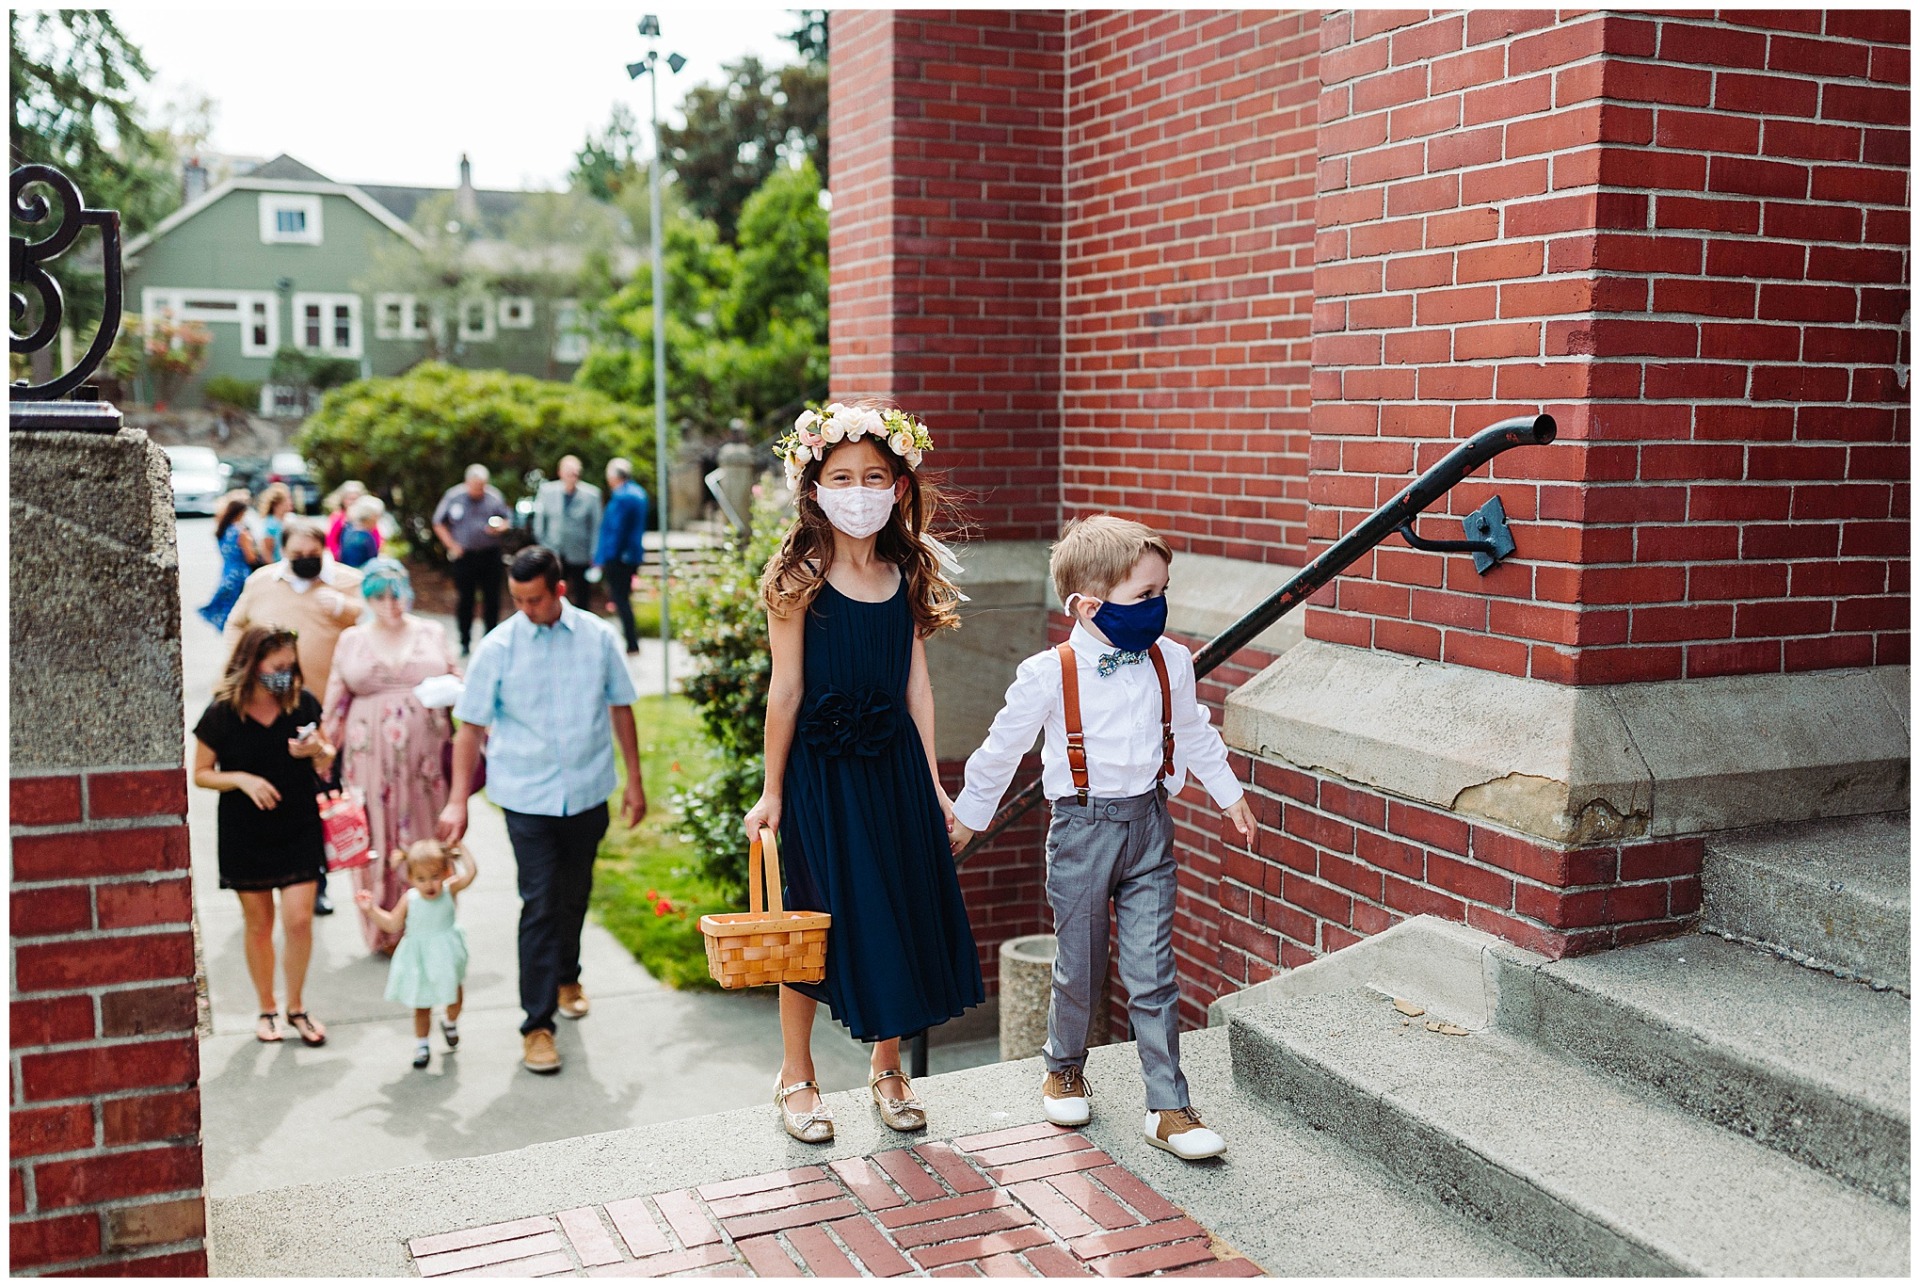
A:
(259, 745)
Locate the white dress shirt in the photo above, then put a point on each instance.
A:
(1120, 716)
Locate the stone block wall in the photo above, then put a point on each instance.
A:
(1687, 235)
(105, 1163)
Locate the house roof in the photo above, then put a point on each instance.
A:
(392, 204)
(285, 167)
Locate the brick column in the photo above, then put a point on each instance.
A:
(946, 241)
(1685, 236)
(105, 1107)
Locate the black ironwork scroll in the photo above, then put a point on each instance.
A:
(29, 273)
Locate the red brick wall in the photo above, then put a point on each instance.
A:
(1189, 273)
(1685, 236)
(954, 309)
(105, 1105)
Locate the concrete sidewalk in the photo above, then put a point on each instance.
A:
(277, 1115)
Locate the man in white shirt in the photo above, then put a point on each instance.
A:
(1120, 737)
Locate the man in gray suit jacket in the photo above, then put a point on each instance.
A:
(566, 519)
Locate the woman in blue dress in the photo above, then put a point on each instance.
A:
(852, 785)
(238, 557)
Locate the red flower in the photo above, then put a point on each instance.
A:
(662, 907)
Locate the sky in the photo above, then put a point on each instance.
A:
(395, 93)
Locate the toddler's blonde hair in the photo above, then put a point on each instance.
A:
(422, 852)
(1097, 553)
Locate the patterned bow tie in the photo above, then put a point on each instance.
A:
(1112, 661)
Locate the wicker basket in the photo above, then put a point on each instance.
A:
(753, 948)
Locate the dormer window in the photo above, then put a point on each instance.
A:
(289, 218)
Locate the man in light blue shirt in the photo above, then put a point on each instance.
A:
(544, 692)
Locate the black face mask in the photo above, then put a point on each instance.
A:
(305, 568)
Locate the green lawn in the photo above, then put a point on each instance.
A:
(644, 887)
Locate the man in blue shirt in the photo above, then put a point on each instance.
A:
(622, 550)
(543, 693)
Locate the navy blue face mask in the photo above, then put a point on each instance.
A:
(1133, 626)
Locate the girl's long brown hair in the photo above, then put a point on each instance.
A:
(243, 668)
(790, 584)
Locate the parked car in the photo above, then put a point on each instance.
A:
(289, 468)
(199, 479)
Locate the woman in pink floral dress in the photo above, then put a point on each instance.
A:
(393, 749)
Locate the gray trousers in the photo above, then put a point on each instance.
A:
(1118, 850)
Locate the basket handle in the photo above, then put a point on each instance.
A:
(771, 872)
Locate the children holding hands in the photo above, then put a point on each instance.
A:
(429, 965)
(1123, 729)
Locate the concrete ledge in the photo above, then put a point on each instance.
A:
(1447, 968)
(1579, 766)
(95, 601)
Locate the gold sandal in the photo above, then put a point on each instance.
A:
(901, 1114)
(812, 1127)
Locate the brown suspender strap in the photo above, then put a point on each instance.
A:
(1166, 716)
(1076, 738)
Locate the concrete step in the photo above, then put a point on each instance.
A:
(1835, 893)
(1294, 1200)
(1560, 1159)
(1804, 1063)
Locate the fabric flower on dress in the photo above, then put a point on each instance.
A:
(840, 723)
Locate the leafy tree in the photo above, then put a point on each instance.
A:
(411, 437)
(746, 326)
(739, 131)
(809, 37)
(73, 75)
(609, 162)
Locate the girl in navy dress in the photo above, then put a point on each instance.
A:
(852, 786)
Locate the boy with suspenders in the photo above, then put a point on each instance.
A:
(1120, 737)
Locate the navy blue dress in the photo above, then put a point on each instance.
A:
(862, 836)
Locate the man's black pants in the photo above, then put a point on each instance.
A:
(555, 858)
(477, 570)
(579, 589)
(619, 582)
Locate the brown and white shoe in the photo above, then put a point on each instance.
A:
(538, 1053)
(900, 1114)
(1066, 1098)
(814, 1126)
(1181, 1132)
(573, 1001)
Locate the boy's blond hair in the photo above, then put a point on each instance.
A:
(1095, 554)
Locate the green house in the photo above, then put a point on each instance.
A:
(283, 255)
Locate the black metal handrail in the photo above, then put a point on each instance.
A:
(1396, 515)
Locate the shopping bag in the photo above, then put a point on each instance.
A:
(344, 830)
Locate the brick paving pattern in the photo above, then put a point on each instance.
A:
(1019, 1203)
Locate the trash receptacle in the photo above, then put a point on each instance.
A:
(1026, 985)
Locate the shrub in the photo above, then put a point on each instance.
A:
(725, 629)
(231, 391)
(411, 437)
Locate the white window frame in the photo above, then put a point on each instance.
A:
(569, 335)
(516, 312)
(272, 203)
(180, 303)
(327, 303)
(465, 307)
(413, 325)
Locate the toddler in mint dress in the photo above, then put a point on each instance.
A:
(430, 962)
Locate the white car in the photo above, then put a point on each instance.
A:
(199, 479)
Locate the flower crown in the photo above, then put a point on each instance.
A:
(817, 429)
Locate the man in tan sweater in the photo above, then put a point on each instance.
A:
(308, 592)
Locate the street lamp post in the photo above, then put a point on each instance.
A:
(650, 30)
